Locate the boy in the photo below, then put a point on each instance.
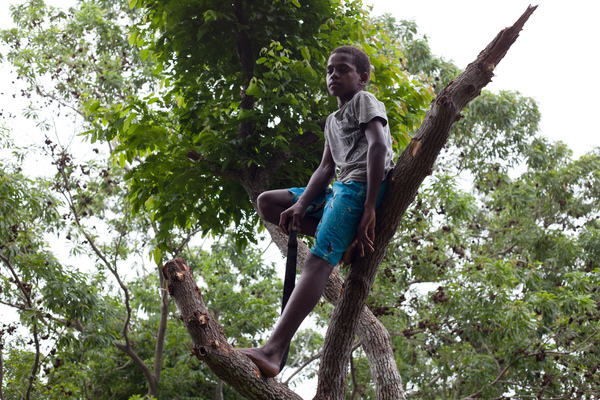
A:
(358, 144)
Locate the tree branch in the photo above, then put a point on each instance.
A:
(75, 324)
(413, 166)
(126, 348)
(162, 328)
(210, 343)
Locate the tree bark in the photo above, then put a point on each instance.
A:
(162, 331)
(219, 390)
(413, 166)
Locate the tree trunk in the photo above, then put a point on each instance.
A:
(413, 166)
(350, 316)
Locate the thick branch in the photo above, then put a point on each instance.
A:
(414, 164)
(210, 343)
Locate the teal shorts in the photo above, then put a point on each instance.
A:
(339, 210)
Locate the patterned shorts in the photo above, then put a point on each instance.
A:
(339, 210)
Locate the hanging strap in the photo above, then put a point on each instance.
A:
(290, 279)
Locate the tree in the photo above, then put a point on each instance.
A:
(69, 58)
(257, 102)
(478, 328)
(73, 321)
(168, 143)
(414, 164)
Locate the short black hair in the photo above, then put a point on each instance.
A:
(361, 59)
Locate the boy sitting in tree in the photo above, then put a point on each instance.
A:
(358, 143)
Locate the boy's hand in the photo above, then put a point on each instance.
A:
(293, 214)
(365, 236)
(365, 232)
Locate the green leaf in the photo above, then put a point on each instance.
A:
(253, 89)
(157, 255)
(305, 53)
(210, 15)
(370, 50)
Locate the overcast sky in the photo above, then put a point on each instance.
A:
(555, 60)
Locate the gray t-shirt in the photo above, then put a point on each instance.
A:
(345, 136)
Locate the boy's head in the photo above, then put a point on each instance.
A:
(361, 59)
(348, 72)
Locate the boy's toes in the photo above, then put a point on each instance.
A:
(266, 366)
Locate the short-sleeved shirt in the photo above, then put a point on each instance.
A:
(345, 136)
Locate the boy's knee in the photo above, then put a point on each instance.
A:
(267, 196)
(262, 202)
(267, 201)
(271, 203)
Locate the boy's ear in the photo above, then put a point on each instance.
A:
(364, 78)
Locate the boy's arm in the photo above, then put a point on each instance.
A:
(365, 231)
(319, 180)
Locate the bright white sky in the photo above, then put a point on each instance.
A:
(555, 60)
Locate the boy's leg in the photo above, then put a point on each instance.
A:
(306, 294)
(273, 202)
(304, 298)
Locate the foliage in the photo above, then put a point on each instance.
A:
(492, 290)
(70, 317)
(235, 85)
(489, 290)
(512, 304)
(71, 56)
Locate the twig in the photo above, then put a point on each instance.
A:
(505, 251)
(310, 360)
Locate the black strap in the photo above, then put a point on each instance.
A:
(290, 279)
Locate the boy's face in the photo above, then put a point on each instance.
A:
(343, 80)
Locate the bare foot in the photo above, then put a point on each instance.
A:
(267, 366)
